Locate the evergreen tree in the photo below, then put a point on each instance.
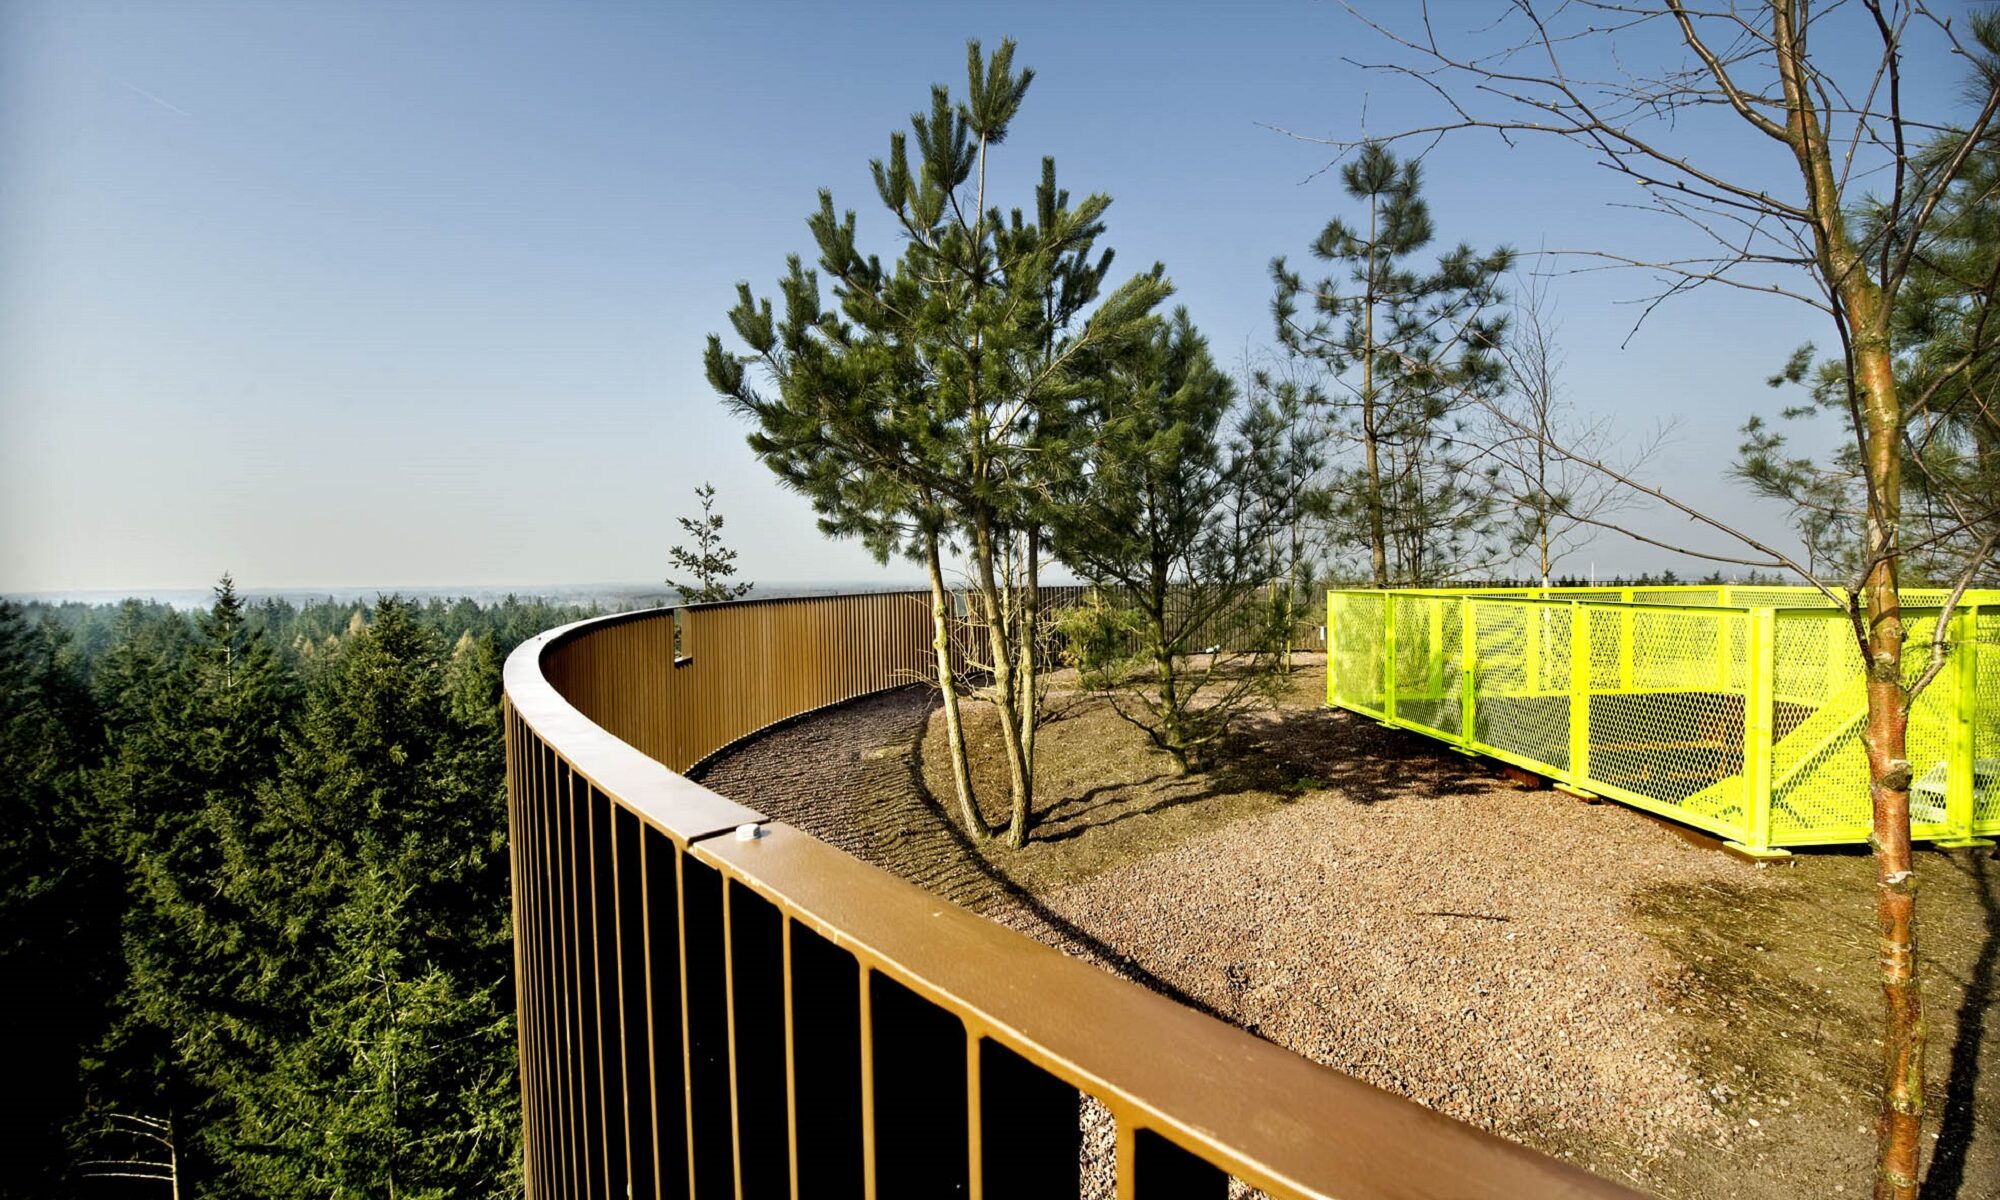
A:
(852, 429)
(1945, 334)
(1182, 530)
(974, 347)
(710, 565)
(386, 849)
(1297, 585)
(148, 644)
(184, 788)
(58, 899)
(1402, 352)
(273, 945)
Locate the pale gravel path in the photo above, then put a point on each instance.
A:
(1469, 947)
(1529, 1010)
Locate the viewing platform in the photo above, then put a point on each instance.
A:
(1736, 710)
(714, 1004)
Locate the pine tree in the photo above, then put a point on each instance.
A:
(1182, 529)
(1402, 351)
(1946, 336)
(853, 432)
(947, 379)
(711, 565)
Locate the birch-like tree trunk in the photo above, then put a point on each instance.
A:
(1842, 255)
(954, 727)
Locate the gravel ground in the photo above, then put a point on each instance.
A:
(1577, 977)
(1430, 951)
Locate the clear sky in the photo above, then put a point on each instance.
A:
(415, 294)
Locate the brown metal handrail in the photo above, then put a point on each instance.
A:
(707, 1014)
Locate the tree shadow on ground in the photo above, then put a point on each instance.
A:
(1275, 757)
(1363, 760)
(1946, 1177)
(1280, 756)
(1110, 804)
(1095, 798)
(1025, 901)
(1081, 826)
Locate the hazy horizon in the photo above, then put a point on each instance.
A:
(187, 596)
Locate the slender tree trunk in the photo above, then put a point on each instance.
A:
(1173, 734)
(954, 728)
(1378, 550)
(1544, 511)
(1287, 615)
(1898, 1124)
(1029, 633)
(1864, 310)
(1020, 786)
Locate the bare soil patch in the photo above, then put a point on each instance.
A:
(1580, 978)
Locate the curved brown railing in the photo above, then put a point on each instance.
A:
(705, 1013)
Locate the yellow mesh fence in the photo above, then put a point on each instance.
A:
(1733, 709)
(1986, 730)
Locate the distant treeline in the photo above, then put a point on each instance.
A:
(254, 916)
(1647, 579)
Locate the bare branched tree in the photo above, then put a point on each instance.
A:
(148, 1152)
(1851, 193)
(1559, 504)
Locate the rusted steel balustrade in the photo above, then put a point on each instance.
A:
(713, 1015)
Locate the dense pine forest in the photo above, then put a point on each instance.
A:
(253, 898)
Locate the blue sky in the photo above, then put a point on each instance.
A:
(415, 294)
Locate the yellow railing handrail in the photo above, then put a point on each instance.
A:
(670, 802)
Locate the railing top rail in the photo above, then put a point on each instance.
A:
(1270, 1117)
(1557, 601)
(679, 807)
(795, 598)
(1973, 597)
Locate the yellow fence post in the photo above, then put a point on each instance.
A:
(1531, 649)
(1388, 656)
(1468, 655)
(1760, 670)
(1625, 650)
(1434, 686)
(1725, 653)
(1579, 694)
(1331, 656)
(1960, 768)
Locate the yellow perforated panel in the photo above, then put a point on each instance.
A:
(1985, 718)
(1819, 773)
(1521, 680)
(1675, 734)
(1429, 661)
(1355, 664)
